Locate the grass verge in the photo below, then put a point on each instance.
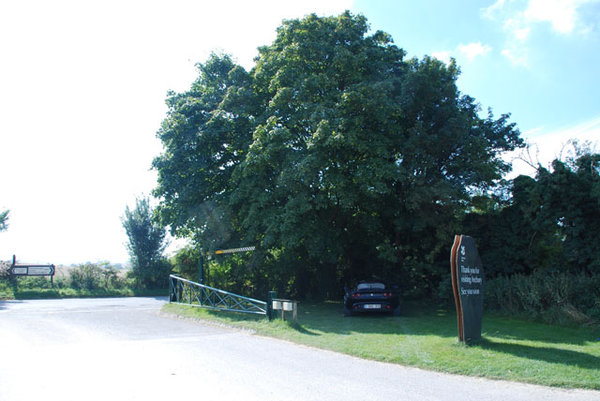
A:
(52, 293)
(510, 350)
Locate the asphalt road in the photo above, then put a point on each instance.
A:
(124, 349)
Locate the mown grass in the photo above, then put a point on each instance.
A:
(511, 349)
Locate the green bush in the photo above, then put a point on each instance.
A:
(6, 290)
(549, 296)
(34, 282)
(185, 262)
(87, 276)
(93, 276)
(86, 280)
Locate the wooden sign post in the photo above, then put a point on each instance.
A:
(467, 284)
(31, 270)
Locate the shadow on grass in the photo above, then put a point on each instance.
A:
(419, 319)
(329, 318)
(515, 329)
(546, 354)
(301, 329)
(236, 317)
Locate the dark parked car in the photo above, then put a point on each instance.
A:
(372, 296)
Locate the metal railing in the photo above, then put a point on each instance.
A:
(188, 292)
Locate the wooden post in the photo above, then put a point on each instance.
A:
(456, 286)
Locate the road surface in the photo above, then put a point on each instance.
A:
(124, 349)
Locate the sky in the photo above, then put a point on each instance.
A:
(83, 87)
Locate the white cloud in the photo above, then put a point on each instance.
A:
(545, 145)
(494, 10)
(516, 55)
(561, 14)
(443, 56)
(517, 28)
(470, 51)
(520, 18)
(473, 50)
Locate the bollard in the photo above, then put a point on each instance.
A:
(270, 296)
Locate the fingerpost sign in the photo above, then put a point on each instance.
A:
(31, 270)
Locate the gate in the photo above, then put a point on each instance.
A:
(190, 293)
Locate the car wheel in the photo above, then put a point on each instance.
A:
(396, 311)
(347, 312)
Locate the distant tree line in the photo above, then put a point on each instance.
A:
(82, 280)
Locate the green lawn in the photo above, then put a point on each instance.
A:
(511, 349)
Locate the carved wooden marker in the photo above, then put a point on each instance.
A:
(467, 284)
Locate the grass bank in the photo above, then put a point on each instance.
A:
(10, 292)
(511, 349)
(46, 293)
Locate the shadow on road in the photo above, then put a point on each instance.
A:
(5, 304)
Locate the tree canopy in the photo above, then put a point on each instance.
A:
(336, 157)
(4, 220)
(550, 223)
(146, 245)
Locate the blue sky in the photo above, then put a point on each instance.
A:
(83, 84)
(539, 62)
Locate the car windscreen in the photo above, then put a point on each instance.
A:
(370, 286)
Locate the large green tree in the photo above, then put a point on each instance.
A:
(334, 155)
(146, 245)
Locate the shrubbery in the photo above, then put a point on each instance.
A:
(88, 279)
(552, 297)
(90, 276)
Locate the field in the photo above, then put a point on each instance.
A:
(511, 349)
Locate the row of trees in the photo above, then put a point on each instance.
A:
(539, 245)
(339, 160)
(550, 222)
(334, 155)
